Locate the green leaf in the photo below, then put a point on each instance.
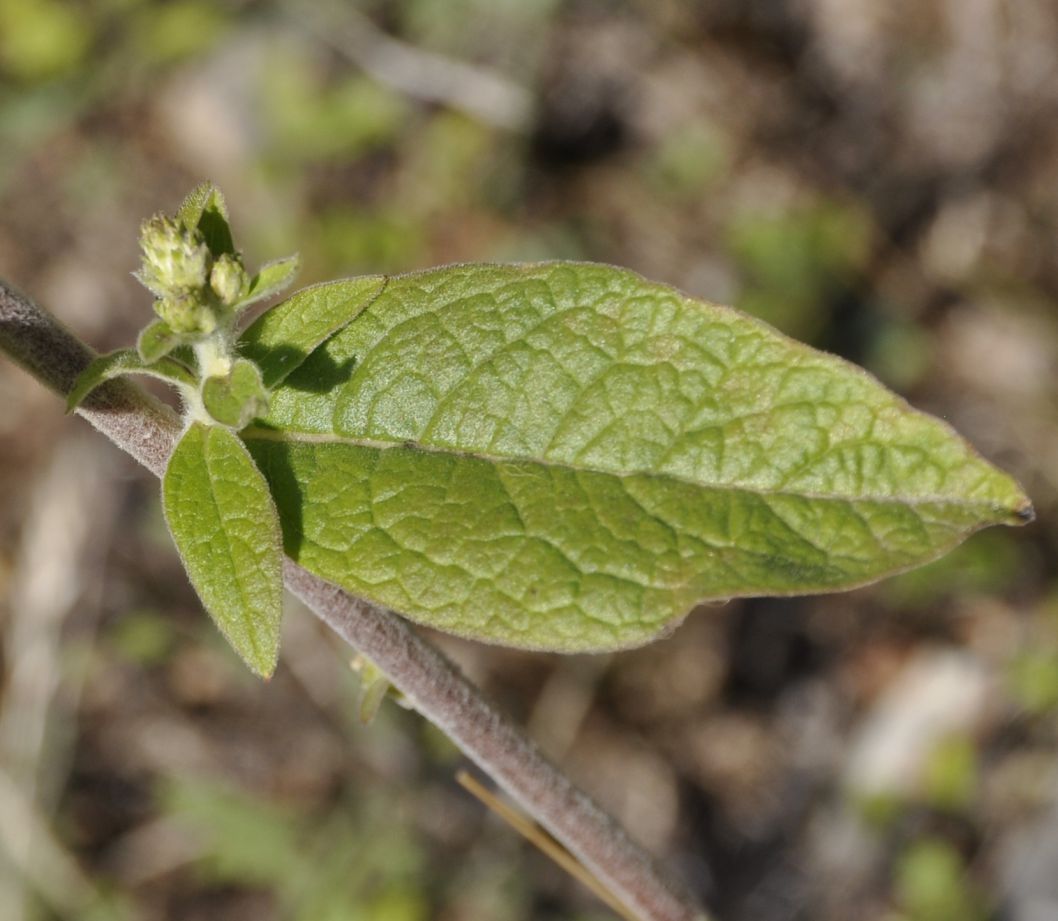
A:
(205, 209)
(270, 279)
(283, 337)
(568, 457)
(374, 686)
(156, 340)
(932, 884)
(224, 524)
(126, 361)
(236, 398)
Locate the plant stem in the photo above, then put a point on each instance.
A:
(439, 691)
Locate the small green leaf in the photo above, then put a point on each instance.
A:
(126, 361)
(205, 209)
(569, 457)
(156, 341)
(236, 398)
(283, 337)
(204, 195)
(374, 686)
(270, 279)
(225, 526)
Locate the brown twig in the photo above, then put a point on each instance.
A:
(438, 690)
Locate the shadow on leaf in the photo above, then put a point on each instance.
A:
(274, 461)
(315, 372)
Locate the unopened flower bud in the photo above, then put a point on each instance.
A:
(227, 279)
(175, 257)
(185, 313)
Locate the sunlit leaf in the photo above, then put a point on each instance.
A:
(566, 456)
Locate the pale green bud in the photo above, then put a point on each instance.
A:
(186, 314)
(175, 257)
(227, 279)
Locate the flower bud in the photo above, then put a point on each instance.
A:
(175, 257)
(227, 279)
(186, 314)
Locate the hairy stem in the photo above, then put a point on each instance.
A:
(147, 430)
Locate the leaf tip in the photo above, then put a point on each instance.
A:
(262, 658)
(259, 651)
(1018, 509)
(265, 673)
(1024, 513)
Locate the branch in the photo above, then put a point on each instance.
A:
(416, 72)
(147, 430)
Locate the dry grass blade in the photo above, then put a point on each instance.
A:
(533, 833)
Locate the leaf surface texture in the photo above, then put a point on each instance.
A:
(566, 456)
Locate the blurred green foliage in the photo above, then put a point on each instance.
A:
(951, 774)
(687, 162)
(308, 118)
(932, 885)
(1032, 676)
(898, 352)
(987, 565)
(164, 33)
(497, 31)
(793, 262)
(143, 638)
(360, 242)
(355, 862)
(1033, 680)
(43, 39)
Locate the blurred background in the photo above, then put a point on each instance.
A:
(879, 179)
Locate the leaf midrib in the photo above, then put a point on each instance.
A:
(256, 433)
(237, 572)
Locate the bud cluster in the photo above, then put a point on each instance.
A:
(194, 291)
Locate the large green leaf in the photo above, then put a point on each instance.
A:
(224, 524)
(566, 456)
